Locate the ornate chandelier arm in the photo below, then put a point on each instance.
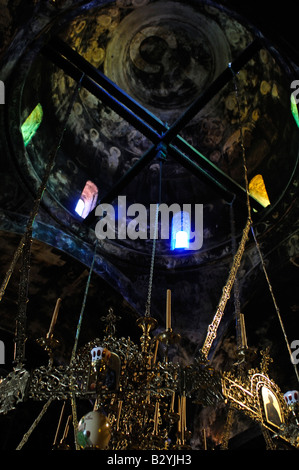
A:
(213, 327)
(274, 301)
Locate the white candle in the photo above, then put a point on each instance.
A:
(168, 310)
(54, 317)
(204, 440)
(183, 419)
(180, 414)
(120, 404)
(155, 353)
(172, 402)
(184, 413)
(156, 418)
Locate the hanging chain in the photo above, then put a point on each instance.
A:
(12, 266)
(274, 301)
(213, 327)
(34, 424)
(236, 283)
(227, 428)
(74, 351)
(39, 195)
(270, 445)
(242, 145)
(151, 274)
(26, 242)
(254, 236)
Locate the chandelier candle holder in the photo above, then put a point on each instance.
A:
(168, 337)
(140, 402)
(168, 310)
(49, 343)
(292, 401)
(141, 411)
(147, 324)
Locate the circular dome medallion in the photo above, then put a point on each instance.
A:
(165, 54)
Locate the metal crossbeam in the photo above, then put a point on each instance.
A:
(149, 125)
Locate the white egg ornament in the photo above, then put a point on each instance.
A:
(94, 431)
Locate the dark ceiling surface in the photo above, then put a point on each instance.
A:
(164, 56)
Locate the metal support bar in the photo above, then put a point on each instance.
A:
(212, 90)
(56, 45)
(106, 98)
(169, 133)
(204, 168)
(200, 172)
(149, 125)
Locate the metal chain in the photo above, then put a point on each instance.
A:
(26, 243)
(253, 232)
(151, 274)
(274, 301)
(213, 327)
(227, 428)
(270, 445)
(34, 424)
(75, 346)
(24, 248)
(232, 221)
(78, 330)
(242, 144)
(236, 283)
(12, 266)
(39, 194)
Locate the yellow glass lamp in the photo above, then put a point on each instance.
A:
(257, 189)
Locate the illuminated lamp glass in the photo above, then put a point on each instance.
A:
(88, 199)
(294, 109)
(31, 124)
(80, 207)
(257, 189)
(180, 231)
(181, 240)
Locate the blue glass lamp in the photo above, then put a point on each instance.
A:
(180, 231)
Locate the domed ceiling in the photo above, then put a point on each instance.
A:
(189, 78)
(164, 56)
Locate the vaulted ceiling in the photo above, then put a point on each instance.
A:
(190, 78)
